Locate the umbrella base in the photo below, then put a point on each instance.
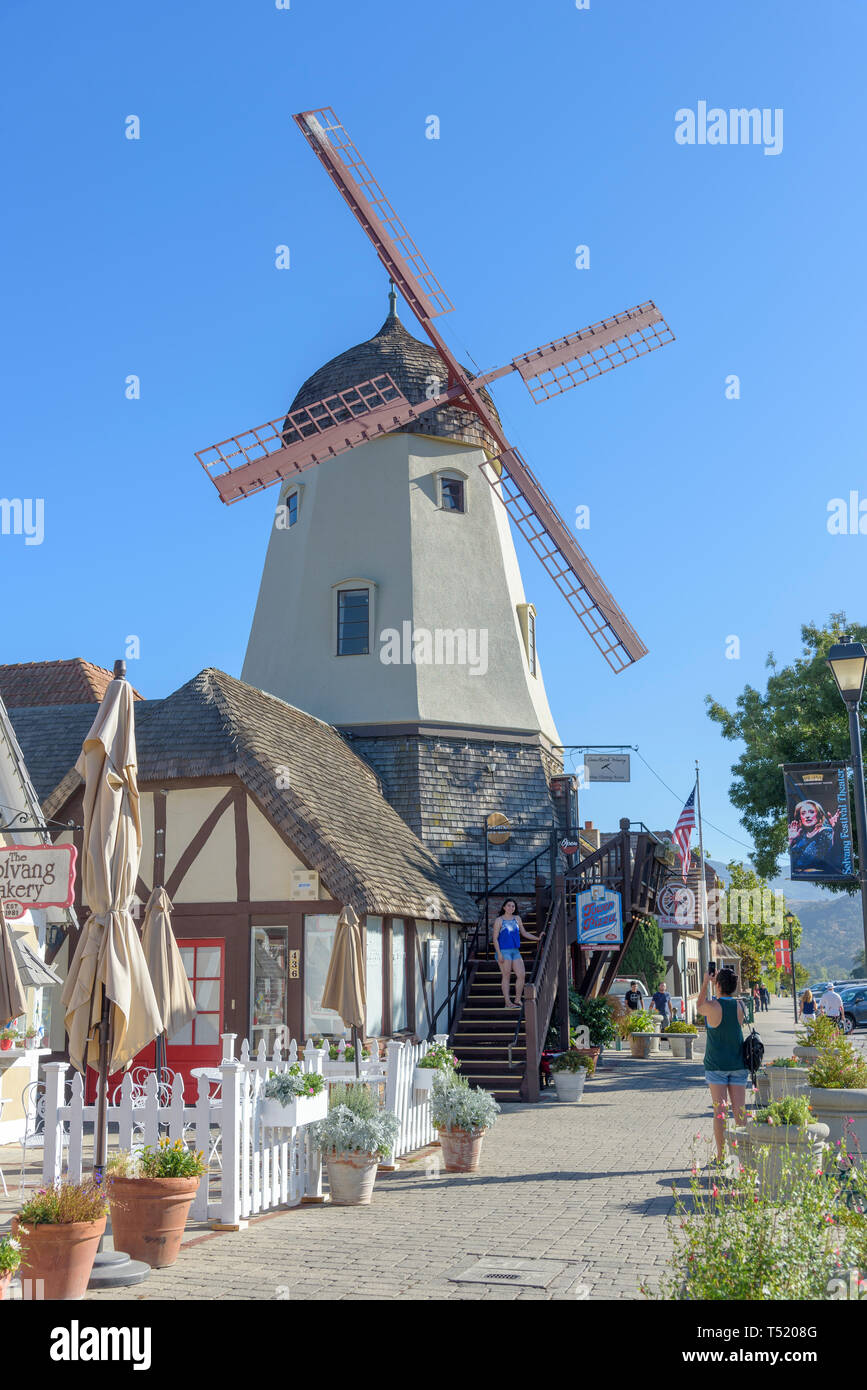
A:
(112, 1269)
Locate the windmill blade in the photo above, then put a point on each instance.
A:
(395, 247)
(542, 526)
(558, 366)
(248, 462)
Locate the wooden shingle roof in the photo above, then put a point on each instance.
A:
(332, 810)
(73, 682)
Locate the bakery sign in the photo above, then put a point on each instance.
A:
(36, 876)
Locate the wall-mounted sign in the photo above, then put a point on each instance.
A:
(675, 906)
(36, 876)
(433, 951)
(569, 844)
(817, 811)
(305, 885)
(498, 828)
(600, 918)
(606, 767)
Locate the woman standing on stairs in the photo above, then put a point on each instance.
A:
(508, 930)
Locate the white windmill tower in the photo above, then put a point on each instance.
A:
(391, 602)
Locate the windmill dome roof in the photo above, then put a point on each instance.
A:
(411, 364)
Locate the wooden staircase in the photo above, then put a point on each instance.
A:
(486, 1028)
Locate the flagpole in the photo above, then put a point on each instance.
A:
(706, 938)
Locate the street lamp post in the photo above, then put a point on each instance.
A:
(790, 923)
(848, 662)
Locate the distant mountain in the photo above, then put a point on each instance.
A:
(831, 923)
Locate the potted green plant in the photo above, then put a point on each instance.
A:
(570, 1070)
(436, 1060)
(838, 1095)
(354, 1136)
(462, 1115)
(59, 1229)
(786, 1077)
(597, 1016)
(293, 1097)
(342, 1064)
(150, 1193)
(785, 1137)
(820, 1032)
(32, 1036)
(637, 1025)
(10, 1259)
(7, 1038)
(681, 1039)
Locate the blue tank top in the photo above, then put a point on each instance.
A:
(510, 935)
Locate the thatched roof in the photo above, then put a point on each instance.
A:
(332, 811)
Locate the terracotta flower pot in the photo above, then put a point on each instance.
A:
(461, 1150)
(351, 1177)
(61, 1256)
(5, 1281)
(148, 1216)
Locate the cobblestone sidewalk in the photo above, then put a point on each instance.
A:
(586, 1186)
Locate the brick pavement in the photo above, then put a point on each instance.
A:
(588, 1185)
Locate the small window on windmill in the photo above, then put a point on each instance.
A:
(291, 505)
(527, 622)
(353, 622)
(452, 497)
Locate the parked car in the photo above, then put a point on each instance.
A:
(854, 1007)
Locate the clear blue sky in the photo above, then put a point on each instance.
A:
(156, 257)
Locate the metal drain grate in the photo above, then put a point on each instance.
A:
(502, 1269)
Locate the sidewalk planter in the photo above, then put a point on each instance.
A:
(439, 1060)
(681, 1045)
(351, 1177)
(148, 1217)
(569, 1085)
(303, 1110)
(462, 1115)
(462, 1149)
(60, 1255)
(763, 1088)
(640, 1043)
(787, 1081)
(783, 1144)
(833, 1108)
(423, 1078)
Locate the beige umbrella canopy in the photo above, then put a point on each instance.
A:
(345, 990)
(12, 1001)
(165, 967)
(109, 954)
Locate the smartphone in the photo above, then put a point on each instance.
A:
(711, 970)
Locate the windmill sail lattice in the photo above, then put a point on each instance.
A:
(246, 463)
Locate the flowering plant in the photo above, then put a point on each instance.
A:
(10, 1254)
(574, 1061)
(679, 1026)
(64, 1204)
(287, 1086)
(636, 1021)
(819, 1032)
(348, 1054)
(790, 1110)
(167, 1160)
(8, 1034)
(839, 1067)
(786, 1062)
(439, 1058)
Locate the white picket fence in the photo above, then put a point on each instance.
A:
(251, 1169)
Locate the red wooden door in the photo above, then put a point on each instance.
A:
(199, 1044)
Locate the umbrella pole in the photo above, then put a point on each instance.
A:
(100, 1138)
(356, 1050)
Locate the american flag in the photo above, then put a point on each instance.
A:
(683, 832)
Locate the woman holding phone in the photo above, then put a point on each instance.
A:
(724, 1068)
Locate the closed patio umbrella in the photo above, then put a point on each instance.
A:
(345, 990)
(111, 1011)
(166, 969)
(12, 1001)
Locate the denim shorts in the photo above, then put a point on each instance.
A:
(511, 953)
(727, 1078)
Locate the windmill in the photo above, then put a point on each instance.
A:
(284, 448)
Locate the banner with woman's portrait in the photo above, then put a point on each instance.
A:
(817, 813)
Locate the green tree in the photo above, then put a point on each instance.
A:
(643, 956)
(748, 899)
(800, 718)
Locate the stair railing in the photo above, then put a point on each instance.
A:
(550, 973)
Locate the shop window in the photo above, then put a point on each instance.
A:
(399, 1019)
(318, 940)
(269, 975)
(373, 976)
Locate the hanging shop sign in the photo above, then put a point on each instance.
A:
(569, 843)
(606, 767)
(676, 905)
(817, 812)
(599, 913)
(35, 876)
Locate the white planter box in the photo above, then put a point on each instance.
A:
(423, 1078)
(346, 1070)
(301, 1111)
(569, 1084)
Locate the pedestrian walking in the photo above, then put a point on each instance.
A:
(662, 1004)
(807, 1011)
(765, 995)
(831, 1005)
(724, 1068)
(508, 931)
(633, 998)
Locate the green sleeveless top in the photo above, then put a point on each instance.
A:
(724, 1047)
